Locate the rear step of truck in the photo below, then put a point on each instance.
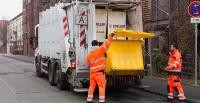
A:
(81, 90)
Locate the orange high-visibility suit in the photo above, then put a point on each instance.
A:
(174, 72)
(97, 63)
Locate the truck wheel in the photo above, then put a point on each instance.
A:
(62, 83)
(137, 80)
(38, 68)
(51, 74)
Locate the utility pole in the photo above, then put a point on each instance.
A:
(150, 56)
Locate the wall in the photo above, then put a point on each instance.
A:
(31, 9)
(3, 37)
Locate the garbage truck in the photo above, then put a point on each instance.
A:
(66, 30)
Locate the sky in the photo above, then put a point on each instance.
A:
(10, 8)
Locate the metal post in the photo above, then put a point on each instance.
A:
(169, 14)
(150, 56)
(155, 28)
(27, 44)
(196, 71)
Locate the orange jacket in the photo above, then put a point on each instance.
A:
(96, 60)
(175, 61)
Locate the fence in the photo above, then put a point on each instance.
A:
(159, 62)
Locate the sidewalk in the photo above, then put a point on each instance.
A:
(20, 57)
(158, 86)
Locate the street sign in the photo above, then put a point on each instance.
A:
(194, 9)
(195, 19)
(81, 20)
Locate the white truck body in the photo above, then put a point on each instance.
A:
(66, 30)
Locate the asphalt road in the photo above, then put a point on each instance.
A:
(19, 84)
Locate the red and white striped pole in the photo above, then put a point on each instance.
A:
(65, 26)
(82, 28)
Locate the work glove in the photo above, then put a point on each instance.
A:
(166, 70)
(112, 34)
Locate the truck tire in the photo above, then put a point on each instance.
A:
(62, 83)
(38, 67)
(137, 80)
(51, 74)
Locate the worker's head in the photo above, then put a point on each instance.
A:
(95, 43)
(173, 46)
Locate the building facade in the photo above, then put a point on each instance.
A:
(3, 33)
(170, 20)
(184, 35)
(156, 16)
(14, 35)
(3, 23)
(31, 9)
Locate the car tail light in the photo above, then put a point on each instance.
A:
(73, 64)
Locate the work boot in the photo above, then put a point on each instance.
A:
(90, 102)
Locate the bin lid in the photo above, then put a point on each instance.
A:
(131, 33)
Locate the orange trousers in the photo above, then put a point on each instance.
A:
(100, 80)
(174, 82)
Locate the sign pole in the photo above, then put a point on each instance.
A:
(194, 12)
(196, 71)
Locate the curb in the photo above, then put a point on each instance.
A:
(152, 77)
(188, 100)
(18, 59)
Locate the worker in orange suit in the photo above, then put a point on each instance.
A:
(174, 69)
(96, 61)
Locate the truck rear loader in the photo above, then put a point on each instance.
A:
(65, 32)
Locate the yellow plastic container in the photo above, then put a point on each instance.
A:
(125, 57)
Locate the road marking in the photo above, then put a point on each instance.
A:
(193, 100)
(81, 90)
(145, 86)
(13, 92)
